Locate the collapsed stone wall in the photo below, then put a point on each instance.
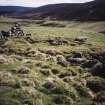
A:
(14, 31)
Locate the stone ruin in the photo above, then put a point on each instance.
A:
(14, 31)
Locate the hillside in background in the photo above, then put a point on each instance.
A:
(94, 10)
(12, 10)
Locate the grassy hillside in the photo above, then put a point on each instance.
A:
(94, 26)
(30, 73)
(90, 11)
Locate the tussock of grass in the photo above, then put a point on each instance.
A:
(33, 80)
